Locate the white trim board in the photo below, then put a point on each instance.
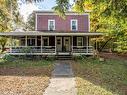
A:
(52, 13)
(33, 33)
(53, 23)
(76, 24)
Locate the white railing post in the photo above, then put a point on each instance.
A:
(25, 41)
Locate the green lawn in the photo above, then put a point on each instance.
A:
(26, 63)
(101, 78)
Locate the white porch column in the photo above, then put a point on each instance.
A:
(26, 41)
(55, 44)
(87, 44)
(41, 43)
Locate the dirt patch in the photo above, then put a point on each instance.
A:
(24, 81)
(113, 56)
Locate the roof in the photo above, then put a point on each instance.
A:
(66, 13)
(50, 33)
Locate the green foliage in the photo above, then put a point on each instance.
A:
(9, 18)
(101, 79)
(26, 50)
(80, 57)
(26, 63)
(61, 7)
(9, 58)
(30, 24)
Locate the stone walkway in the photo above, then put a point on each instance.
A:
(62, 81)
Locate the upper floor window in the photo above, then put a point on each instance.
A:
(74, 24)
(51, 25)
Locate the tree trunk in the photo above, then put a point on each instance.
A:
(105, 44)
(3, 47)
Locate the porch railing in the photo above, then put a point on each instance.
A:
(47, 49)
(32, 49)
(82, 49)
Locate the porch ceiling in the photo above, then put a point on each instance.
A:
(51, 33)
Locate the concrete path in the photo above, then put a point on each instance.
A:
(62, 81)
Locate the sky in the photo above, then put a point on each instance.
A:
(27, 8)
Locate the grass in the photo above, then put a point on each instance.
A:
(101, 78)
(25, 63)
(24, 77)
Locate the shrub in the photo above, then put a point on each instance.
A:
(26, 50)
(80, 57)
(9, 58)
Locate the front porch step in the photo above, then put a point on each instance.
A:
(64, 57)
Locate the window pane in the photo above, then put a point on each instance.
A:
(51, 25)
(45, 42)
(74, 23)
(22, 42)
(58, 41)
(80, 41)
(31, 42)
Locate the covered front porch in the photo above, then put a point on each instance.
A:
(39, 43)
(51, 45)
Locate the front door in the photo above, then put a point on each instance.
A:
(59, 44)
(66, 44)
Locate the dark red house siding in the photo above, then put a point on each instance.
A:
(63, 24)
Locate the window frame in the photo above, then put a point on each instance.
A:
(76, 24)
(47, 39)
(78, 41)
(30, 39)
(49, 24)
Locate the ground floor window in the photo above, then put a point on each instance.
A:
(22, 43)
(79, 41)
(45, 41)
(31, 41)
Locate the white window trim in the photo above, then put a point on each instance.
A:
(78, 40)
(31, 40)
(53, 22)
(76, 24)
(45, 38)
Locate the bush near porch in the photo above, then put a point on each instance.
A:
(24, 77)
(101, 78)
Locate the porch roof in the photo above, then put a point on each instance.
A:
(49, 33)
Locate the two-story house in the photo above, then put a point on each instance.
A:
(54, 35)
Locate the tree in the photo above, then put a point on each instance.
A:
(30, 24)
(9, 18)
